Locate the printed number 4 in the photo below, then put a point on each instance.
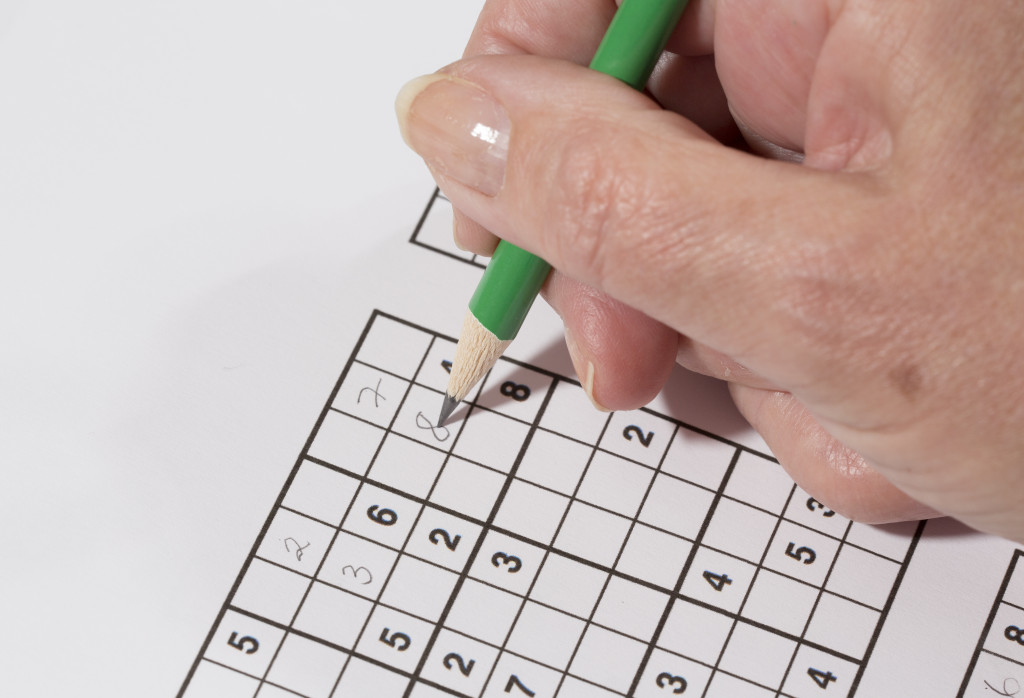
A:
(822, 678)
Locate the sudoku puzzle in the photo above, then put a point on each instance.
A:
(536, 547)
(997, 668)
(434, 231)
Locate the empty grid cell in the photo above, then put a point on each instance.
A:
(461, 663)
(842, 625)
(507, 562)
(370, 394)
(759, 482)
(891, 540)
(307, 667)
(491, 439)
(443, 539)
(346, 442)
(530, 511)
(757, 655)
(615, 484)
(213, 681)
(669, 674)
(382, 516)
(296, 542)
(815, 673)
(568, 585)
(514, 391)
(739, 530)
(808, 511)
(571, 413)
(1011, 677)
(467, 488)
(592, 534)
(244, 643)
(436, 229)
(483, 612)
(554, 462)
(728, 686)
(357, 565)
(333, 615)
(545, 635)
(780, 602)
(270, 591)
(577, 688)
(269, 690)
(395, 638)
(676, 506)
(394, 347)
(1006, 635)
(417, 419)
(718, 579)
(695, 632)
(419, 588)
(436, 368)
(607, 658)
(801, 553)
(638, 435)
(1014, 592)
(697, 458)
(863, 576)
(518, 676)
(630, 608)
(320, 492)
(654, 556)
(406, 465)
(361, 678)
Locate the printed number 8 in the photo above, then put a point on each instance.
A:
(516, 391)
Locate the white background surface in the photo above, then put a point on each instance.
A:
(200, 202)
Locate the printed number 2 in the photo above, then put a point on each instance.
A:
(633, 430)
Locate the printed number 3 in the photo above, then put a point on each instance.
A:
(667, 680)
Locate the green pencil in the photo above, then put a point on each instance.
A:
(512, 280)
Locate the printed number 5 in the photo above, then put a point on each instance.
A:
(246, 643)
(803, 553)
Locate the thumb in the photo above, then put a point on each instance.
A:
(637, 202)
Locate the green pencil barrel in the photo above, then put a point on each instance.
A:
(635, 39)
(507, 289)
(629, 51)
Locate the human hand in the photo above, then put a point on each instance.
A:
(858, 278)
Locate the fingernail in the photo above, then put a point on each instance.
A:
(455, 234)
(585, 370)
(459, 129)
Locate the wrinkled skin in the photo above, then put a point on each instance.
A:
(819, 201)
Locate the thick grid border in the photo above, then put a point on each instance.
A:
(476, 260)
(488, 525)
(1010, 569)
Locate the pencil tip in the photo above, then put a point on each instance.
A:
(447, 408)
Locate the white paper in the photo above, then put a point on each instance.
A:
(202, 206)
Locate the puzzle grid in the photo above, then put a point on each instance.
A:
(997, 667)
(537, 547)
(434, 231)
